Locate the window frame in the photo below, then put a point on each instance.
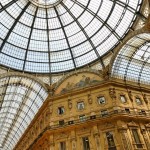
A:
(82, 117)
(98, 100)
(103, 113)
(61, 122)
(113, 146)
(86, 145)
(140, 100)
(136, 138)
(79, 104)
(64, 145)
(61, 110)
(125, 98)
(127, 110)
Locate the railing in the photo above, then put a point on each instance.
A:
(101, 116)
(138, 146)
(94, 117)
(112, 148)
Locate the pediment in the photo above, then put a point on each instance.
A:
(147, 125)
(132, 124)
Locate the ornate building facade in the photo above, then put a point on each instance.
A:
(88, 112)
(74, 75)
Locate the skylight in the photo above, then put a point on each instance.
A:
(65, 36)
(133, 61)
(45, 3)
(21, 99)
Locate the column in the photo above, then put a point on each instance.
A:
(125, 139)
(96, 137)
(73, 140)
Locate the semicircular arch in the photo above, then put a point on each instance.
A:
(132, 62)
(21, 96)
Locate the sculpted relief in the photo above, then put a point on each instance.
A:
(78, 81)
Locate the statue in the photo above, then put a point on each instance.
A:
(145, 98)
(130, 95)
(90, 99)
(69, 103)
(112, 93)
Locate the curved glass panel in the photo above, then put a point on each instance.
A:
(45, 3)
(21, 98)
(133, 61)
(63, 37)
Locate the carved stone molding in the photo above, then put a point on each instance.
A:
(145, 98)
(50, 107)
(90, 100)
(107, 126)
(147, 24)
(84, 131)
(112, 93)
(132, 124)
(106, 73)
(61, 136)
(130, 95)
(147, 125)
(122, 128)
(69, 103)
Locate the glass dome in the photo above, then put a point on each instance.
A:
(133, 61)
(65, 36)
(45, 3)
(21, 99)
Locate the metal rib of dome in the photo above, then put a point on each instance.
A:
(45, 3)
(133, 61)
(63, 37)
(21, 99)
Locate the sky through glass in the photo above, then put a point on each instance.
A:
(133, 60)
(21, 99)
(64, 36)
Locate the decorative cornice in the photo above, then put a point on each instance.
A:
(132, 124)
(147, 125)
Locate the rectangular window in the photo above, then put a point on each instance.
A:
(101, 100)
(62, 145)
(104, 113)
(123, 98)
(93, 117)
(86, 145)
(80, 105)
(61, 122)
(136, 138)
(138, 101)
(61, 110)
(110, 140)
(143, 112)
(82, 117)
(127, 110)
(70, 122)
(116, 111)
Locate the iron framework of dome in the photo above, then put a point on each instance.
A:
(61, 35)
(133, 61)
(20, 99)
